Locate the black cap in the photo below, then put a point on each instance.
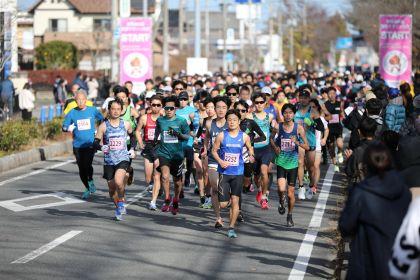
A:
(183, 95)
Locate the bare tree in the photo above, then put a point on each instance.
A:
(8, 18)
(96, 43)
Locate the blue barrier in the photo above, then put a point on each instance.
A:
(51, 113)
(43, 115)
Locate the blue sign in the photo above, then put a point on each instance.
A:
(247, 2)
(344, 43)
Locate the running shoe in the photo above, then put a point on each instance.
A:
(166, 205)
(150, 188)
(152, 206)
(86, 194)
(124, 209)
(174, 208)
(258, 197)
(282, 208)
(340, 158)
(119, 211)
(264, 204)
(336, 168)
(203, 200)
(232, 234)
(92, 187)
(196, 191)
(208, 204)
(290, 222)
(301, 194)
(309, 194)
(130, 175)
(240, 218)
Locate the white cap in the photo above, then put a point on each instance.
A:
(266, 90)
(359, 78)
(149, 94)
(167, 88)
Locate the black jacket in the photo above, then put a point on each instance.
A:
(373, 214)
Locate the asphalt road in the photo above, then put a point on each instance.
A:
(80, 240)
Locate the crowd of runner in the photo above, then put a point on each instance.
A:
(241, 133)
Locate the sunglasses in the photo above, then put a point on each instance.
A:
(180, 88)
(183, 99)
(169, 108)
(231, 94)
(242, 110)
(156, 105)
(259, 102)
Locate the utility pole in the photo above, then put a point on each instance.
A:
(197, 37)
(114, 46)
(181, 24)
(165, 37)
(145, 8)
(224, 34)
(207, 30)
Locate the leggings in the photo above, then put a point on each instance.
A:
(84, 159)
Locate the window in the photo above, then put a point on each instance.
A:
(58, 25)
(101, 24)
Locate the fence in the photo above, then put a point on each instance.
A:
(53, 111)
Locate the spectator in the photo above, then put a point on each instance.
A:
(80, 81)
(93, 87)
(395, 111)
(61, 91)
(55, 89)
(26, 102)
(407, 99)
(7, 94)
(373, 214)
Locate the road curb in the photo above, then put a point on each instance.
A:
(34, 155)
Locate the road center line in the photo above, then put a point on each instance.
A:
(47, 247)
(36, 172)
(137, 197)
(305, 250)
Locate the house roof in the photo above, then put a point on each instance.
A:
(100, 6)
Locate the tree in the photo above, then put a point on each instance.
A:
(56, 55)
(365, 16)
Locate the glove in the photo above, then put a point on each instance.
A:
(173, 132)
(105, 149)
(308, 121)
(71, 127)
(131, 153)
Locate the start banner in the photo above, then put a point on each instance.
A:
(395, 46)
(136, 50)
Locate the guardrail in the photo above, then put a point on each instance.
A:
(53, 111)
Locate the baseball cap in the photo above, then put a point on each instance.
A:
(266, 90)
(393, 92)
(369, 95)
(149, 94)
(183, 95)
(304, 92)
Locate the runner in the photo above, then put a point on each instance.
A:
(80, 121)
(287, 160)
(263, 152)
(232, 92)
(251, 128)
(130, 115)
(270, 108)
(113, 133)
(213, 128)
(145, 134)
(306, 158)
(172, 131)
(227, 151)
(187, 112)
(335, 128)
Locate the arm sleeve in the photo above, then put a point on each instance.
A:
(256, 128)
(319, 125)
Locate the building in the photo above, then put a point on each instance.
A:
(85, 23)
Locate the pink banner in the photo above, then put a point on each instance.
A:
(395, 45)
(136, 50)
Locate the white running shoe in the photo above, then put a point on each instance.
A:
(309, 194)
(152, 206)
(336, 168)
(124, 209)
(301, 194)
(340, 158)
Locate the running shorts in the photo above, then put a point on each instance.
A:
(175, 166)
(229, 185)
(149, 152)
(248, 169)
(109, 170)
(263, 156)
(289, 174)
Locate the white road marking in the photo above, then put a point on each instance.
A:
(36, 172)
(16, 207)
(305, 250)
(47, 247)
(137, 197)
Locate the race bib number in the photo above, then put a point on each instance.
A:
(335, 118)
(233, 159)
(151, 133)
(83, 124)
(116, 144)
(287, 145)
(167, 138)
